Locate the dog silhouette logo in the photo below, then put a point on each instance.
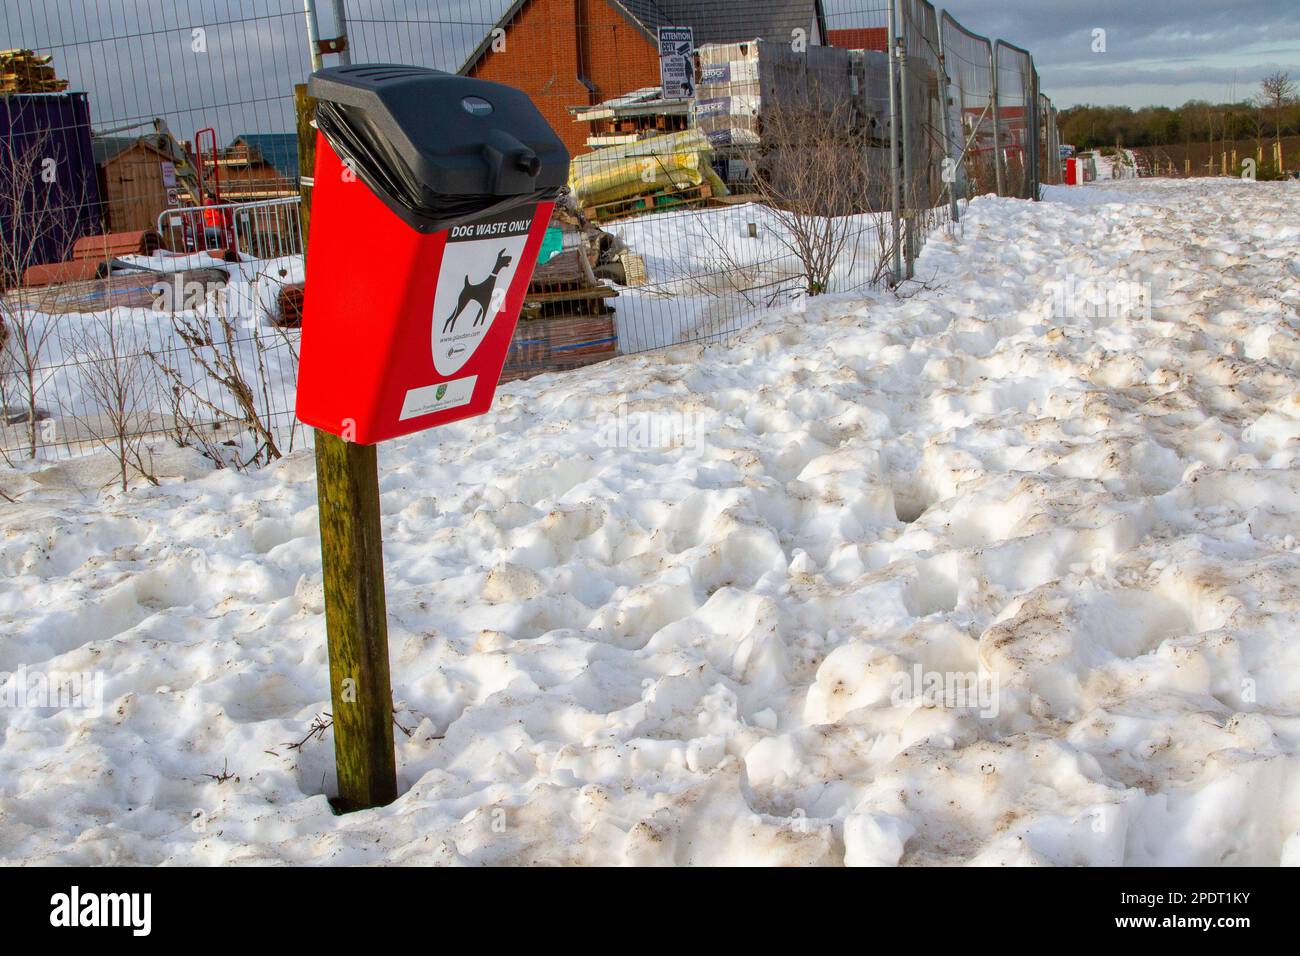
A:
(475, 277)
(477, 293)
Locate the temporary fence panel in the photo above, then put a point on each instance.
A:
(1017, 126)
(1049, 164)
(969, 60)
(266, 229)
(152, 76)
(926, 125)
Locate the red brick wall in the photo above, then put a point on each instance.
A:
(550, 44)
(860, 38)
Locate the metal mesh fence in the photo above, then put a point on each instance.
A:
(680, 181)
(926, 126)
(186, 143)
(1017, 99)
(969, 59)
(1049, 163)
(813, 154)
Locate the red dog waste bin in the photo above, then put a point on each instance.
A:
(430, 198)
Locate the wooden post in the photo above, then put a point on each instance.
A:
(352, 558)
(305, 109)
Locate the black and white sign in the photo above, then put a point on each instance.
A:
(479, 262)
(677, 62)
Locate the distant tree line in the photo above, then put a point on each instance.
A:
(1273, 112)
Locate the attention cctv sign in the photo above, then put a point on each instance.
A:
(677, 62)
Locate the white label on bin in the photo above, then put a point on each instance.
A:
(437, 398)
(478, 266)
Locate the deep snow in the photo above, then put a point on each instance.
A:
(610, 652)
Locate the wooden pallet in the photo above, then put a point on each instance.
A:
(579, 302)
(566, 286)
(652, 202)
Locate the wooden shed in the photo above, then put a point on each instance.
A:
(135, 176)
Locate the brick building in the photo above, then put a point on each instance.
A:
(567, 53)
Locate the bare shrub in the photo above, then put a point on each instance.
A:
(826, 183)
(115, 380)
(211, 338)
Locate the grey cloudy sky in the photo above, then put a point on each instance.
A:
(138, 58)
(1157, 52)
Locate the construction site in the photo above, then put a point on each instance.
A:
(786, 170)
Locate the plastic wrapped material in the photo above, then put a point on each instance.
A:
(677, 161)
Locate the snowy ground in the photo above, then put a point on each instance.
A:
(608, 647)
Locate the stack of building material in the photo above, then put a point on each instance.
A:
(22, 71)
(635, 116)
(139, 290)
(739, 82)
(645, 176)
(92, 257)
(111, 245)
(566, 321)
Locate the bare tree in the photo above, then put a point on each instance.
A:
(1276, 92)
(42, 208)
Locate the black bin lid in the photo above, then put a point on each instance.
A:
(441, 146)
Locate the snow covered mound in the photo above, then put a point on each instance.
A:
(1003, 572)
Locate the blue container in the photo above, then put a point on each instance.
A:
(45, 155)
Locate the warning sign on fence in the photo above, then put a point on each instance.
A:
(677, 62)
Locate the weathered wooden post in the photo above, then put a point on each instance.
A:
(304, 109)
(356, 622)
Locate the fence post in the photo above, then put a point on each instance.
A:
(997, 119)
(1036, 132)
(952, 136)
(341, 32)
(313, 34)
(305, 108)
(908, 212)
(893, 143)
